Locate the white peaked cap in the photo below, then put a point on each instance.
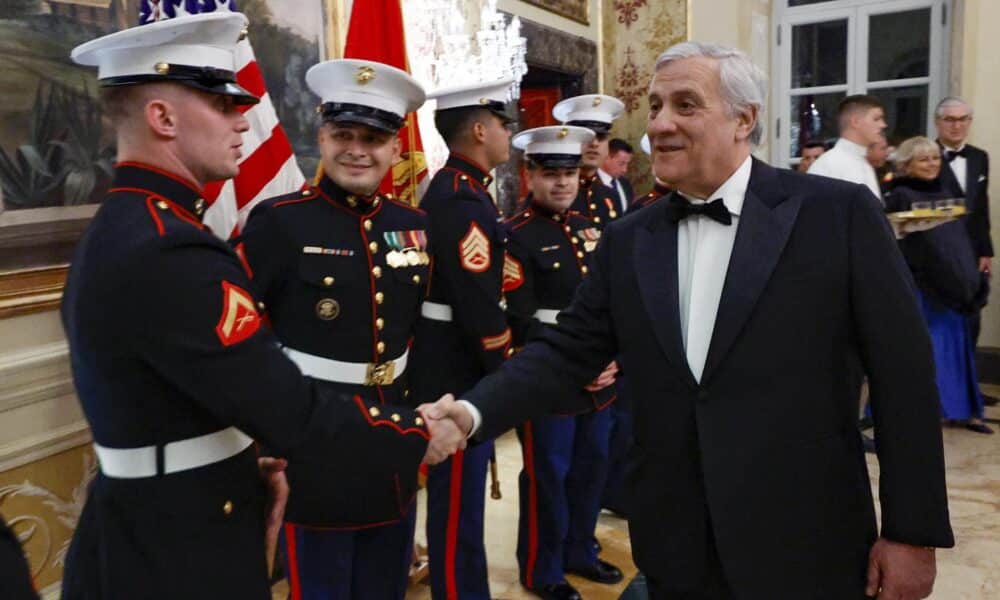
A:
(590, 109)
(555, 139)
(488, 94)
(365, 83)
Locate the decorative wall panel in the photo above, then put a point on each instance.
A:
(635, 33)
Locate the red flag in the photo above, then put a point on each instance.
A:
(376, 33)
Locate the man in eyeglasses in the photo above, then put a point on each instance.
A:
(968, 176)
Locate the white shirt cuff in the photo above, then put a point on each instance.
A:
(477, 417)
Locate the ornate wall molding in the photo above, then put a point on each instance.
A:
(35, 374)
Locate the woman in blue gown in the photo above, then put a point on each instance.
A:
(950, 286)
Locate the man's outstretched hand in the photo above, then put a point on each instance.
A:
(449, 424)
(900, 571)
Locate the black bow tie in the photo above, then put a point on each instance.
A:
(679, 208)
(950, 155)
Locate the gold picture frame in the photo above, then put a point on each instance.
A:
(575, 10)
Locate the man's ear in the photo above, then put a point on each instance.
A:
(746, 121)
(479, 132)
(161, 118)
(397, 149)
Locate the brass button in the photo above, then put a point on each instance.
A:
(352, 201)
(380, 347)
(566, 229)
(416, 279)
(463, 177)
(579, 254)
(406, 393)
(306, 192)
(612, 214)
(395, 418)
(510, 352)
(593, 206)
(556, 218)
(375, 202)
(390, 196)
(418, 422)
(373, 247)
(260, 306)
(367, 224)
(374, 411)
(379, 297)
(597, 219)
(556, 265)
(575, 240)
(199, 206)
(162, 205)
(377, 271)
(379, 323)
(583, 269)
(328, 281)
(227, 508)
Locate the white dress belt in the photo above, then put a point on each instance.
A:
(546, 315)
(182, 455)
(436, 311)
(339, 371)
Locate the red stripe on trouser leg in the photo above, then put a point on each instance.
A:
(451, 534)
(294, 588)
(529, 467)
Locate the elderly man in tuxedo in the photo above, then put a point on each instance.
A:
(736, 302)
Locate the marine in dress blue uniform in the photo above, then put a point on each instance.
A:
(342, 271)
(174, 372)
(565, 457)
(594, 200)
(463, 334)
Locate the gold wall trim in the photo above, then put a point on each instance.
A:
(31, 290)
(43, 445)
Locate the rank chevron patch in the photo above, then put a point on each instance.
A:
(513, 273)
(474, 250)
(239, 318)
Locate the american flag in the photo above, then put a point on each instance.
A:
(268, 166)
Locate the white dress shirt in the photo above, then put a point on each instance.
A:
(704, 247)
(846, 161)
(612, 183)
(958, 166)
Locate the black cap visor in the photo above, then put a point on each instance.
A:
(555, 161)
(598, 127)
(383, 120)
(205, 79)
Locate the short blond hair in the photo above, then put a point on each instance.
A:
(912, 148)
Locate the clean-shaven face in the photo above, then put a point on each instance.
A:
(356, 157)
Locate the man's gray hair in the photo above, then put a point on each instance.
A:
(948, 103)
(743, 84)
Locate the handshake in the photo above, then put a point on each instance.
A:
(449, 423)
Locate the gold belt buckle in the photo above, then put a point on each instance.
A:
(380, 373)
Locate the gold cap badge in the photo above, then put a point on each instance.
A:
(598, 100)
(563, 133)
(161, 68)
(364, 75)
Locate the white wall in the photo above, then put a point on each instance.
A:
(980, 85)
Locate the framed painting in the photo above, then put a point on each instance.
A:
(577, 10)
(56, 148)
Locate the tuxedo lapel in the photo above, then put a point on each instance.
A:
(655, 258)
(974, 168)
(765, 222)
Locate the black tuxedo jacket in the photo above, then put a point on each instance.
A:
(628, 189)
(977, 199)
(763, 455)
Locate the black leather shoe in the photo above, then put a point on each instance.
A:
(601, 572)
(557, 591)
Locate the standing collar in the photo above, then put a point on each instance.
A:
(606, 179)
(732, 191)
(469, 167)
(846, 145)
(358, 204)
(140, 176)
(544, 212)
